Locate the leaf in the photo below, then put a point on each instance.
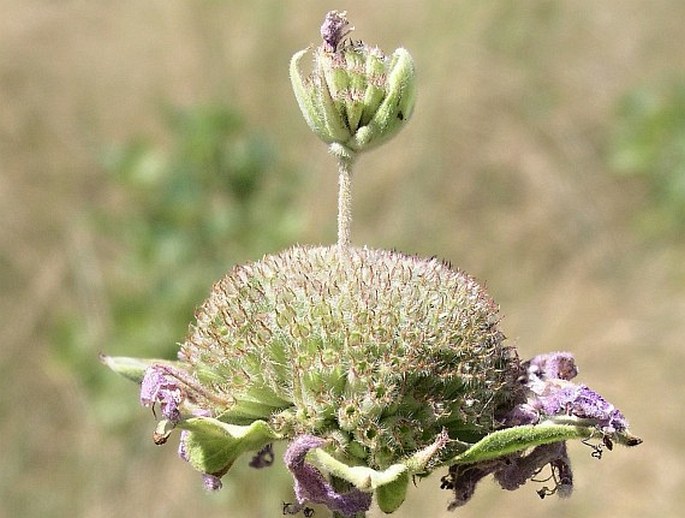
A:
(390, 496)
(518, 438)
(362, 477)
(132, 368)
(213, 446)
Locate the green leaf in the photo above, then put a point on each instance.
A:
(391, 496)
(304, 96)
(336, 128)
(258, 402)
(375, 72)
(247, 409)
(213, 446)
(518, 438)
(132, 368)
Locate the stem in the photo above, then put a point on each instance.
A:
(345, 159)
(344, 202)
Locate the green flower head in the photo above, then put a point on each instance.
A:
(355, 96)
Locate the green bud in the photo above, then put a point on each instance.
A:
(355, 96)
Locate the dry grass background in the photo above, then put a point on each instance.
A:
(502, 171)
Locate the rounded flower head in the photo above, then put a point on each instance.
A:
(376, 366)
(377, 351)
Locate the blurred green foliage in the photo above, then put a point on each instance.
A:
(184, 212)
(649, 144)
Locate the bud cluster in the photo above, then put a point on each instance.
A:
(355, 96)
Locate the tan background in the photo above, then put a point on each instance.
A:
(502, 171)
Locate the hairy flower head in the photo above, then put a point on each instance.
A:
(375, 350)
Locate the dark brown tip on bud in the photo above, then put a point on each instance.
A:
(335, 27)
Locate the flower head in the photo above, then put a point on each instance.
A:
(374, 350)
(355, 97)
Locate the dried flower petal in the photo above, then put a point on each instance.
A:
(550, 393)
(463, 479)
(335, 27)
(589, 404)
(211, 482)
(312, 486)
(559, 365)
(521, 468)
(158, 387)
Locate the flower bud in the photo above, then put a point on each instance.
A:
(355, 96)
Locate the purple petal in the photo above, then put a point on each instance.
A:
(589, 404)
(559, 365)
(312, 486)
(554, 397)
(157, 387)
(211, 482)
(151, 385)
(335, 27)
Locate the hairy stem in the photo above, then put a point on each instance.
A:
(344, 201)
(345, 159)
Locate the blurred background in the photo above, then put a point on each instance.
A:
(146, 147)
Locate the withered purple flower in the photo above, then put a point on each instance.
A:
(312, 487)
(551, 394)
(159, 387)
(335, 27)
(551, 398)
